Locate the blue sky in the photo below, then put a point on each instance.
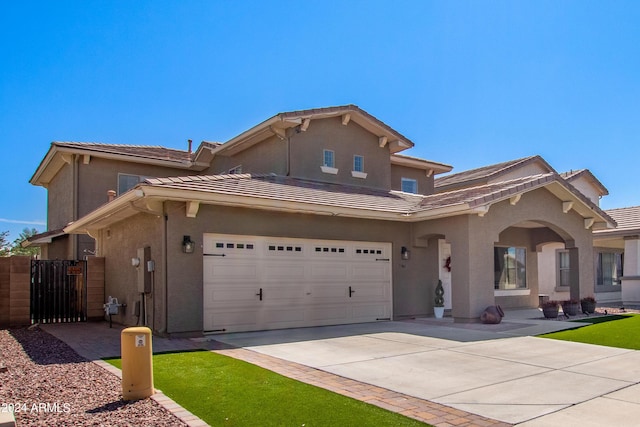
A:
(470, 82)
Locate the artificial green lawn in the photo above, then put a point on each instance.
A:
(228, 392)
(622, 331)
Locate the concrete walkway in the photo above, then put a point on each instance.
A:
(433, 370)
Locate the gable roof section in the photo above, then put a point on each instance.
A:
(479, 176)
(61, 152)
(287, 194)
(278, 124)
(628, 220)
(429, 166)
(586, 173)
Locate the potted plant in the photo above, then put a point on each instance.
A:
(438, 306)
(570, 307)
(550, 309)
(588, 305)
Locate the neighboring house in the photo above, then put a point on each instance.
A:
(617, 261)
(314, 218)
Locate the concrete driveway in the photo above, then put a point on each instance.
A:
(497, 371)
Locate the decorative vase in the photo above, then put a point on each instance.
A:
(588, 306)
(550, 312)
(570, 308)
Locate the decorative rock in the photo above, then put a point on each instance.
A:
(492, 315)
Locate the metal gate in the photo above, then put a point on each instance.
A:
(58, 291)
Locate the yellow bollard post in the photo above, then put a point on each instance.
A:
(137, 364)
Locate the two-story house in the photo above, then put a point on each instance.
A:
(314, 218)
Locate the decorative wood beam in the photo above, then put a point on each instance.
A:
(482, 210)
(279, 132)
(67, 158)
(305, 124)
(567, 206)
(588, 222)
(86, 159)
(346, 118)
(192, 208)
(515, 199)
(382, 141)
(429, 172)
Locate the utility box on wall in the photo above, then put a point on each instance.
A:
(144, 275)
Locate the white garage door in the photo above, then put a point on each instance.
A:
(255, 282)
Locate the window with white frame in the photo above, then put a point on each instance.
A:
(328, 158)
(358, 163)
(563, 271)
(235, 170)
(609, 268)
(409, 185)
(126, 182)
(510, 268)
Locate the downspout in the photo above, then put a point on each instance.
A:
(74, 203)
(288, 155)
(165, 274)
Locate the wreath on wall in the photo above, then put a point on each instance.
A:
(447, 264)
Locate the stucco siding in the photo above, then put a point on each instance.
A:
(346, 141)
(60, 199)
(101, 175)
(269, 156)
(425, 183)
(119, 244)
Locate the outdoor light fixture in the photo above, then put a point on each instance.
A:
(187, 245)
(135, 262)
(405, 253)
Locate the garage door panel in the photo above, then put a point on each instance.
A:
(329, 271)
(304, 282)
(231, 270)
(245, 295)
(279, 271)
(371, 271)
(375, 311)
(227, 319)
(370, 290)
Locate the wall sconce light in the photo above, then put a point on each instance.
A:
(187, 245)
(405, 253)
(135, 262)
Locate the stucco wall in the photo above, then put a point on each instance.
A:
(118, 244)
(346, 141)
(60, 199)
(269, 156)
(425, 183)
(472, 241)
(101, 175)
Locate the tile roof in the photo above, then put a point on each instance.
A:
(485, 172)
(573, 175)
(343, 109)
(143, 151)
(295, 190)
(628, 220)
(275, 187)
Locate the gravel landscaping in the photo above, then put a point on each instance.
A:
(46, 383)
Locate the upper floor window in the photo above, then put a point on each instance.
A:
(409, 185)
(328, 158)
(510, 268)
(358, 163)
(236, 170)
(126, 182)
(609, 268)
